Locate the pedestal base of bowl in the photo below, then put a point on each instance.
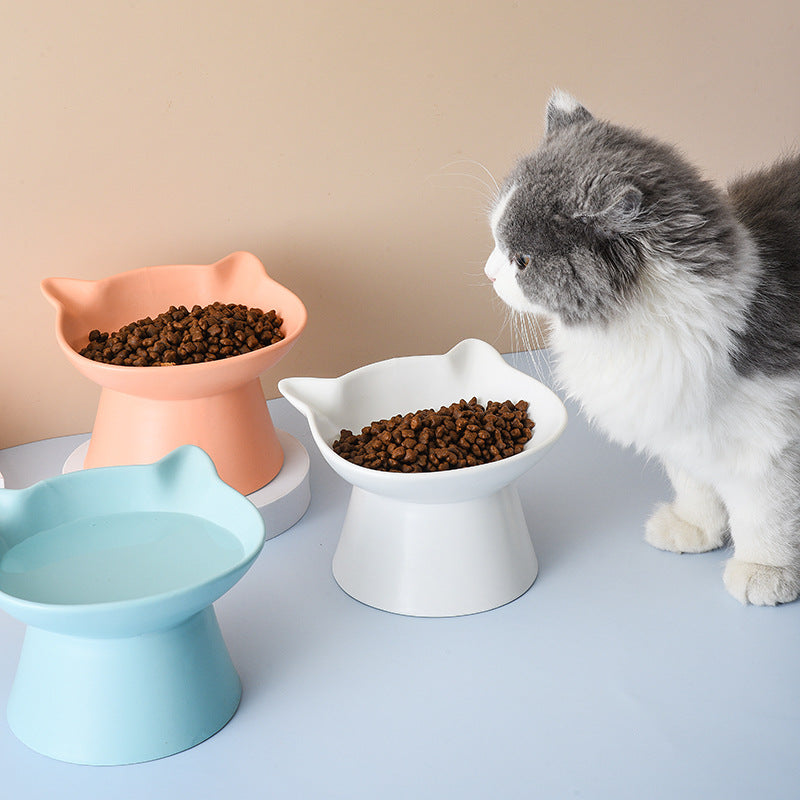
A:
(107, 701)
(234, 427)
(282, 502)
(435, 559)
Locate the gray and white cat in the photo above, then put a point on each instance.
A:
(675, 321)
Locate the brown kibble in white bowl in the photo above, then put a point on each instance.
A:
(463, 434)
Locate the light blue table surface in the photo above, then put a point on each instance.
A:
(624, 672)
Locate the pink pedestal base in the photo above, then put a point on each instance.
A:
(234, 426)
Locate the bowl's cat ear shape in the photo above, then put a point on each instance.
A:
(68, 293)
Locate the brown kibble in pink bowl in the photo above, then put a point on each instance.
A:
(179, 336)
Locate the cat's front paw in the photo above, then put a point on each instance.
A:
(667, 531)
(761, 584)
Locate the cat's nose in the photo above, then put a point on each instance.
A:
(494, 264)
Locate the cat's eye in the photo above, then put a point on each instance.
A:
(522, 261)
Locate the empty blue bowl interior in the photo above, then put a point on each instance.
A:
(124, 533)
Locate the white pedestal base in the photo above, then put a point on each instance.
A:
(435, 559)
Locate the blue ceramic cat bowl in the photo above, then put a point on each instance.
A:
(114, 570)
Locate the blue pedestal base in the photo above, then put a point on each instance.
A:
(123, 700)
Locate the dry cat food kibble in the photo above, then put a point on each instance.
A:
(463, 434)
(180, 336)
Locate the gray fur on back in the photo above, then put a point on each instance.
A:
(768, 205)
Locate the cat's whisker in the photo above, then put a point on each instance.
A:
(527, 340)
(478, 277)
(481, 192)
(477, 164)
(488, 187)
(490, 191)
(542, 344)
(524, 323)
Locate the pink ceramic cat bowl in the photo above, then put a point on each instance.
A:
(146, 412)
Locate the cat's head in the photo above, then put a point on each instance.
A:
(581, 223)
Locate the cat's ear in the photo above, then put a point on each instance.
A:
(563, 110)
(614, 208)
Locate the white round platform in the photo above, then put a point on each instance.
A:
(282, 502)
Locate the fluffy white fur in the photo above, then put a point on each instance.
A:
(660, 379)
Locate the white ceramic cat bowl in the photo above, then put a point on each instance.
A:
(430, 544)
(114, 570)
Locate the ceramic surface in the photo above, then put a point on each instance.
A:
(400, 385)
(114, 570)
(145, 412)
(467, 521)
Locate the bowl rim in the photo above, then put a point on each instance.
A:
(517, 462)
(187, 457)
(240, 260)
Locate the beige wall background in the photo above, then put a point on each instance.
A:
(340, 142)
